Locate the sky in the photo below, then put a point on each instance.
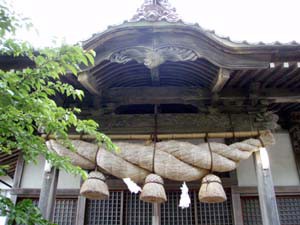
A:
(76, 20)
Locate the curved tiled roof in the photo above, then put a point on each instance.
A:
(161, 11)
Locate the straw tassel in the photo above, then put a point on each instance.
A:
(211, 190)
(95, 187)
(153, 190)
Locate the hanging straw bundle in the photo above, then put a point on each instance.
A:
(211, 190)
(95, 187)
(153, 190)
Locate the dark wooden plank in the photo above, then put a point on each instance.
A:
(266, 192)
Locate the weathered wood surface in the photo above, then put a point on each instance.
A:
(237, 208)
(17, 178)
(52, 195)
(181, 123)
(48, 193)
(220, 80)
(19, 171)
(266, 192)
(172, 95)
(205, 44)
(80, 213)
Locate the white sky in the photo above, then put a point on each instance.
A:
(251, 20)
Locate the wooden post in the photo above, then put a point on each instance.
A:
(19, 171)
(17, 177)
(156, 214)
(80, 210)
(237, 207)
(52, 195)
(266, 192)
(48, 193)
(80, 213)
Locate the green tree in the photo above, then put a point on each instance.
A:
(27, 106)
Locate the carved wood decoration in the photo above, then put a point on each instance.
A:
(295, 131)
(152, 58)
(156, 10)
(295, 137)
(183, 123)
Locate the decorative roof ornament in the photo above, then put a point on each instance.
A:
(156, 10)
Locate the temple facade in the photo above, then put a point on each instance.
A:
(157, 80)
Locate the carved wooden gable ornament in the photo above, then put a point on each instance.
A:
(156, 10)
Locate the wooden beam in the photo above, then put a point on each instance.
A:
(190, 95)
(89, 82)
(182, 123)
(279, 190)
(34, 192)
(48, 193)
(220, 80)
(266, 192)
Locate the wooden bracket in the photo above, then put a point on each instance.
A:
(220, 80)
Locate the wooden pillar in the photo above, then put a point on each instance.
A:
(48, 193)
(236, 206)
(17, 177)
(266, 192)
(81, 204)
(80, 210)
(156, 214)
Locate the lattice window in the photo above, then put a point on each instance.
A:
(251, 211)
(65, 211)
(106, 212)
(289, 210)
(136, 212)
(215, 213)
(288, 207)
(171, 214)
